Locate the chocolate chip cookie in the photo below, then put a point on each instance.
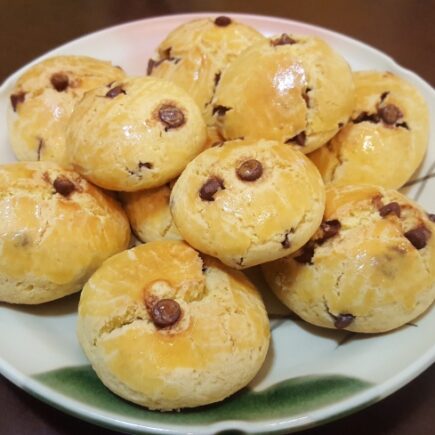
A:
(248, 202)
(135, 134)
(293, 89)
(386, 138)
(369, 268)
(43, 100)
(158, 319)
(56, 231)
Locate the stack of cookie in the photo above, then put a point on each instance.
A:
(235, 150)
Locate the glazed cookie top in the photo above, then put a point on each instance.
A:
(135, 134)
(43, 99)
(248, 202)
(386, 139)
(149, 214)
(157, 317)
(194, 55)
(54, 225)
(370, 267)
(293, 89)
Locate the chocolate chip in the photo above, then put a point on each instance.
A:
(166, 57)
(114, 92)
(431, 216)
(222, 21)
(390, 114)
(343, 320)
(390, 208)
(403, 125)
(366, 117)
(165, 313)
(210, 187)
(284, 39)
(217, 78)
(167, 54)
(147, 165)
(250, 170)
(330, 229)
(306, 255)
(286, 242)
(63, 186)
(299, 139)
(220, 110)
(340, 124)
(41, 144)
(17, 99)
(306, 97)
(171, 116)
(418, 237)
(151, 64)
(384, 95)
(59, 81)
(203, 266)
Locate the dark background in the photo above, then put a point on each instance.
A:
(404, 29)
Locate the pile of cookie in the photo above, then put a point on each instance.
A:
(235, 150)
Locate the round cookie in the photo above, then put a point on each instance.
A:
(370, 267)
(56, 231)
(167, 330)
(136, 134)
(149, 214)
(194, 55)
(43, 99)
(293, 89)
(386, 139)
(248, 202)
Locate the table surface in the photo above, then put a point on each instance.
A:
(404, 29)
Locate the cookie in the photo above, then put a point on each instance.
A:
(385, 141)
(292, 89)
(135, 134)
(248, 202)
(43, 99)
(167, 330)
(56, 231)
(195, 54)
(149, 214)
(370, 267)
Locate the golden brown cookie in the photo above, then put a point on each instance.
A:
(43, 99)
(292, 89)
(135, 134)
(386, 139)
(370, 267)
(167, 330)
(149, 214)
(195, 54)
(56, 231)
(248, 202)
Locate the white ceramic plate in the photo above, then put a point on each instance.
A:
(310, 376)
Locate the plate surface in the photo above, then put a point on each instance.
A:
(310, 375)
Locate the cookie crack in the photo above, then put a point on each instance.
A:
(119, 322)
